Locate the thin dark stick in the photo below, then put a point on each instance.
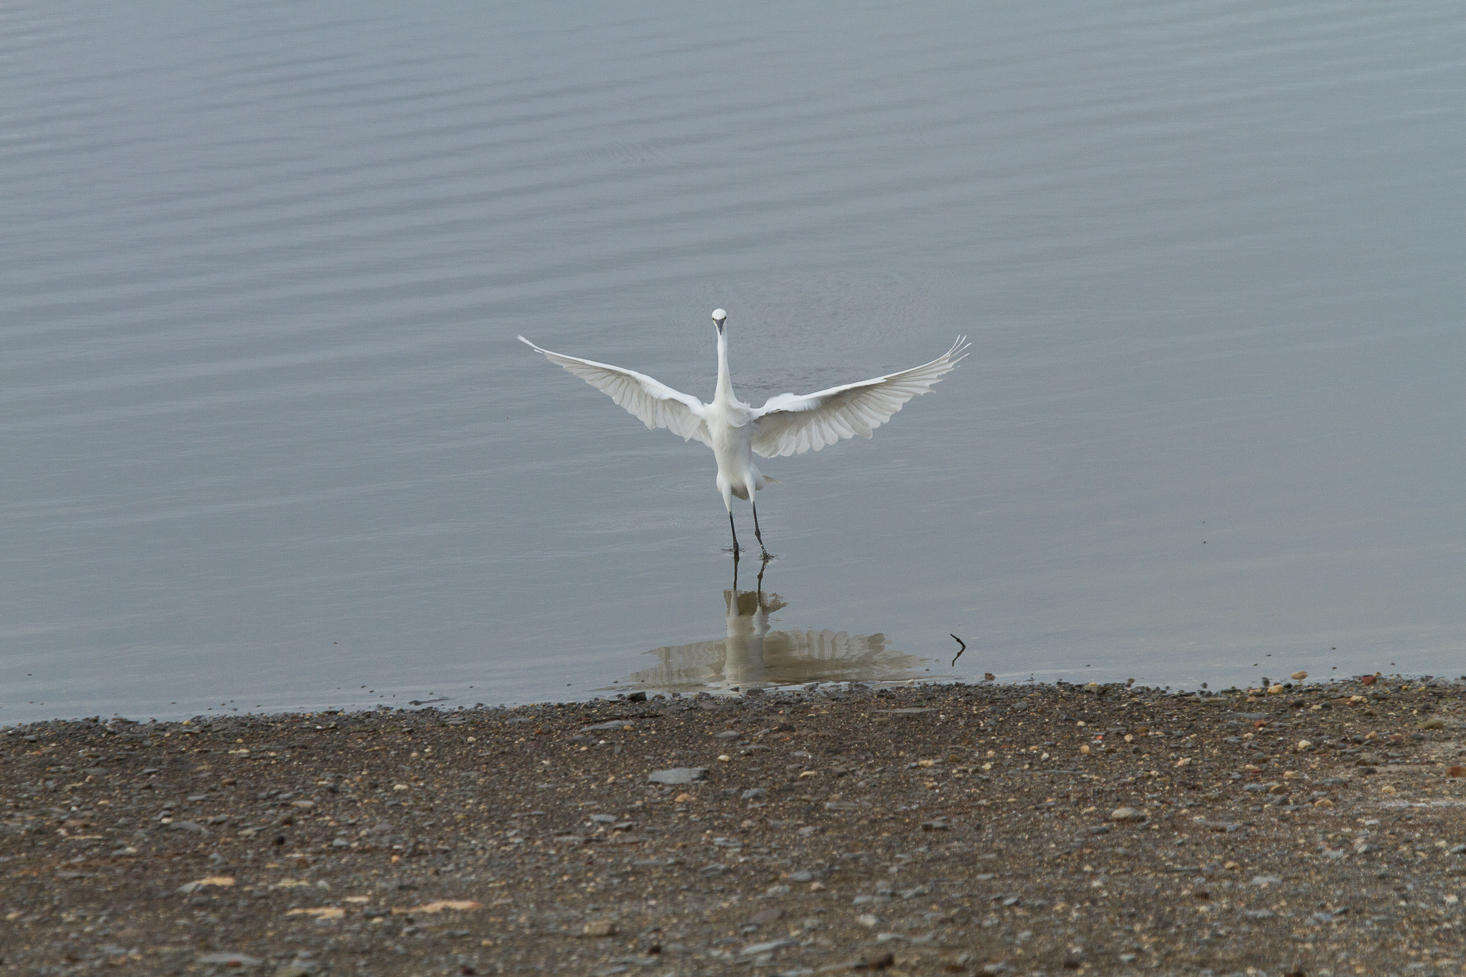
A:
(962, 649)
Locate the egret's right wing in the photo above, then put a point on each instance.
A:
(650, 401)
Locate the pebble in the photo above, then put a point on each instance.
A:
(868, 920)
(598, 928)
(606, 726)
(879, 961)
(1127, 814)
(678, 775)
(226, 959)
(769, 914)
(754, 949)
(222, 881)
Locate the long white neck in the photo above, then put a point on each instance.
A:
(724, 390)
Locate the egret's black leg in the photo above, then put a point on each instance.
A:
(757, 534)
(734, 530)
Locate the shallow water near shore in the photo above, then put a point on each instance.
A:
(270, 443)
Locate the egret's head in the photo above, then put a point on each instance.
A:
(719, 316)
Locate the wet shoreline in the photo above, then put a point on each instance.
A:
(935, 829)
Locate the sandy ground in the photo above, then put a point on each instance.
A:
(940, 829)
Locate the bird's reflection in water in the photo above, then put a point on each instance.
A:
(749, 655)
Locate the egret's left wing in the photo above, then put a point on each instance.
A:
(793, 423)
(650, 401)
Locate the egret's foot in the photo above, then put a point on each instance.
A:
(767, 556)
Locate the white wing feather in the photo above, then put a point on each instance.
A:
(650, 401)
(790, 424)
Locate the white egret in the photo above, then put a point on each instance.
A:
(788, 424)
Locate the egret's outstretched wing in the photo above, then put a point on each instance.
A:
(793, 423)
(650, 401)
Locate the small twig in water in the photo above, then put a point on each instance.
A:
(960, 650)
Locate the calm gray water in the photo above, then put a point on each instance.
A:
(269, 442)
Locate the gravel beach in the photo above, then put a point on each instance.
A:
(991, 829)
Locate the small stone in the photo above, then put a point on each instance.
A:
(754, 794)
(599, 928)
(226, 959)
(1299, 676)
(868, 920)
(754, 949)
(1304, 746)
(1127, 814)
(606, 726)
(222, 881)
(295, 968)
(880, 961)
(936, 824)
(678, 775)
(193, 827)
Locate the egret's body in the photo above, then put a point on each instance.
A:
(786, 425)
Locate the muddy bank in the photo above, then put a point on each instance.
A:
(954, 829)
